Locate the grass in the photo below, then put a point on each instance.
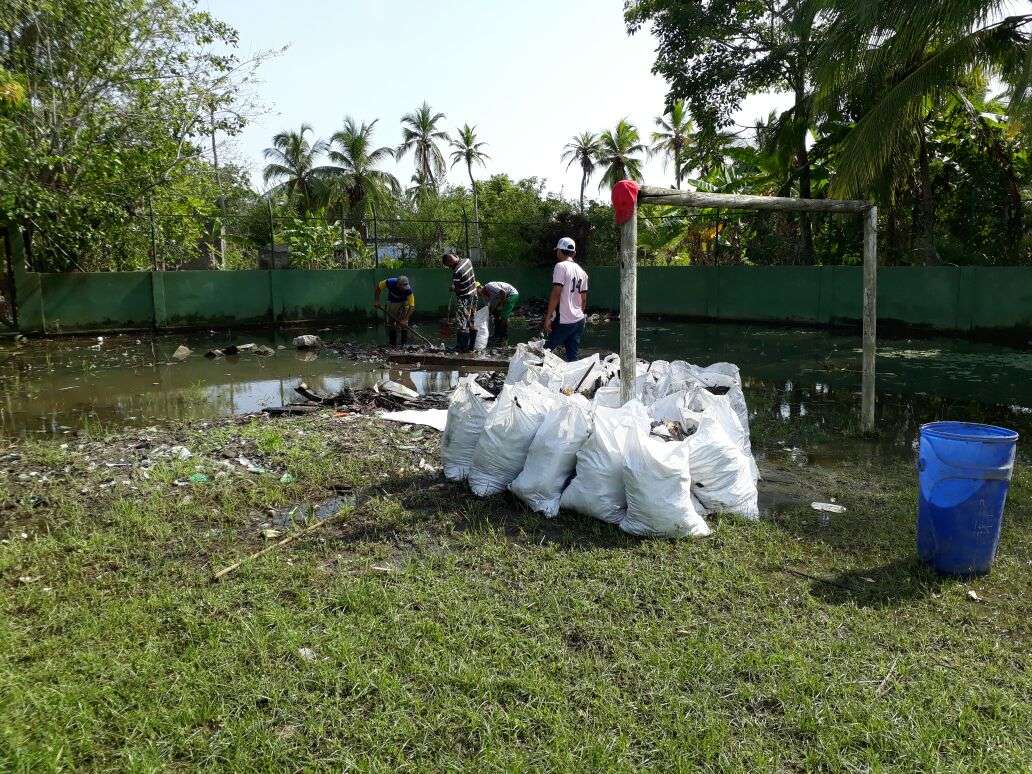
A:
(452, 633)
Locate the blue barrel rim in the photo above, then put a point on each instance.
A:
(966, 431)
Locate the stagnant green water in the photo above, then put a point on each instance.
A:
(799, 377)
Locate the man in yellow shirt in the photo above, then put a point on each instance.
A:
(401, 303)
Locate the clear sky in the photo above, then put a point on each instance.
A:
(528, 74)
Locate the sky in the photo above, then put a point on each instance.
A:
(529, 75)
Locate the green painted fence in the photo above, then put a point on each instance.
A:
(965, 300)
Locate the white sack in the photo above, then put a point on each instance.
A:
(721, 407)
(721, 473)
(532, 353)
(480, 323)
(659, 489)
(598, 489)
(465, 422)
(544, 375)
(553, 455)
(580, 374)
(508, 432)
(684, 376)
(609, 395)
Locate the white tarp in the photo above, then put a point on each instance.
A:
(435, 418)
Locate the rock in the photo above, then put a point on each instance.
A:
(264, 351)
(181, 353)
(308, 341)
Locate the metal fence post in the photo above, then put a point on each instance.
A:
(376, 240)
(153, 235)
(465, 228)
(272, 237)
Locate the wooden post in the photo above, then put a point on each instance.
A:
(870, 318)
(628, 305)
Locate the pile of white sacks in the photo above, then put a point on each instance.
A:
(552, 446)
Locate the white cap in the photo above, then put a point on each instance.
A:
(566, 244)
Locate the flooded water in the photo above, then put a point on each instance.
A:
(799, 377)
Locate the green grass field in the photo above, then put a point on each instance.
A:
(426, 630)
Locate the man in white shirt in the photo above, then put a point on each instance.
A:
(564, 320)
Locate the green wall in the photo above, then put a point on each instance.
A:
(972, 300)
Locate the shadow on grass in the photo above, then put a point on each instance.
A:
(448, 508)
(899, 582)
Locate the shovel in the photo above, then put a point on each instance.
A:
(420, 335)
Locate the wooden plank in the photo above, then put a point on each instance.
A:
(654, 195)
(628, 305)
(446, 360)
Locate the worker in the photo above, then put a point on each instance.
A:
(564, 320)
(464, 286)
(502, 298)
(401, 303)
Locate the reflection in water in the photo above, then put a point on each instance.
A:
(794, 377)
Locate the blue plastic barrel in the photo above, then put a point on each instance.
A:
(964, 472)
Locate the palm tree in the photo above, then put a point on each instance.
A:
(902, 65)
(292, 165)
(618, 154)
(419, 134)
(583, 149)
(466, 149)
(353, 174)
(674, 139)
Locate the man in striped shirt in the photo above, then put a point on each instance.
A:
(464, 286)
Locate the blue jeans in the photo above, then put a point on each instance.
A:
(567, 334)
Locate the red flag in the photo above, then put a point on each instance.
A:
(625, 194)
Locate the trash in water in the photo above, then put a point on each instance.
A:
(397, 390)
(213, 354)
(182, 353)
(308, 341)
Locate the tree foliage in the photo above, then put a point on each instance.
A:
(107, 101)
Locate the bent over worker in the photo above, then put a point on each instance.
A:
(564, 320)
(464, 286)
(401, 303)
(502, 298)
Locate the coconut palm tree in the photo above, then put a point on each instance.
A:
(419, 134)
(918, 57)
(292, 166)
(468, 150)
(352, 174)
(583, 149)
(673, 140)
(619, 154)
